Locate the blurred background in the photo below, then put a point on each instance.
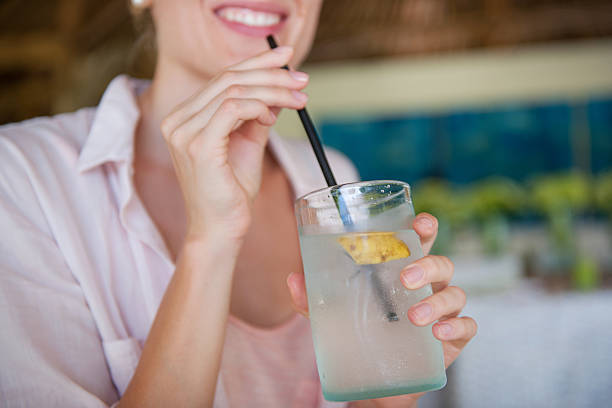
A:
(497, 112)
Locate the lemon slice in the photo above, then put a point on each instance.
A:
(373, 247)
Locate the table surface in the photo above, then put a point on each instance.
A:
(534, 349)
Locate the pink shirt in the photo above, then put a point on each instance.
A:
(83, 268)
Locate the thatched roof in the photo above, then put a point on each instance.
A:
(46, 47)
(371, 28)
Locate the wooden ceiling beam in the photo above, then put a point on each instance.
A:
(69, 16)
(8, 8)
(24, 99)
(111, 16)
(31, 52)
(544, 23)
(28, 94)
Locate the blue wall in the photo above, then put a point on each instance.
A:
(513, 140)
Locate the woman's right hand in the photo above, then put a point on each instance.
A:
(217, 140)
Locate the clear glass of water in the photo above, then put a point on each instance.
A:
(355, 239)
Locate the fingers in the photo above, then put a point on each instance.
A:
(446, 303)
(232, 84)
(270, 96)
(230, 112)
(215, 136)
(455, 329)
(263, 70)
(434, 269)
(271, 77)
(277, 96)
(426, 226)
(297, 289)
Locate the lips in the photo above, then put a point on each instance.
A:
(256, 19)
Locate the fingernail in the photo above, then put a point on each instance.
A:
(300, 96)
(425, 222)
(290, 283)
(421, 312)
(300, 76)
(412, 275)
(282, 50)
(445, 330)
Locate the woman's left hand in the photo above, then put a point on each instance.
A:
(444, 305)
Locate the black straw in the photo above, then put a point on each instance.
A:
(311, 131)
(315, 142)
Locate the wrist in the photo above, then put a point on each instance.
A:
(205, 251)
(216, 239)
(221, 233)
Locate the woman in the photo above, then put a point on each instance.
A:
(149, 242)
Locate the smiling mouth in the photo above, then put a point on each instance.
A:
(256, 21)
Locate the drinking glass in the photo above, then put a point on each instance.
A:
(355, 239)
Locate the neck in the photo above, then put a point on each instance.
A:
(171, 85)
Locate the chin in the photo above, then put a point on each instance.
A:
(221, 33)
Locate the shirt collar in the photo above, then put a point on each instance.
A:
(111, 137)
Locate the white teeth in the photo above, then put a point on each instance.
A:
(249, 17)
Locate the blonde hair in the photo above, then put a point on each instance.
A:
(144, 50)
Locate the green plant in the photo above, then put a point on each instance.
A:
(498, 196)
(560, 192)
(452, 208)
(603, 193)
(432, 196)
(494, 200)
(585, 274)
(436, 197)
(560, 197)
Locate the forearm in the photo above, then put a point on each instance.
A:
(182, 354)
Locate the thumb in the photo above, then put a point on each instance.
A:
(297, 289)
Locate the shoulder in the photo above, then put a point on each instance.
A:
(39, 151)
(343, 168)
(50, 135)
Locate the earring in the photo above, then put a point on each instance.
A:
(139, 3)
